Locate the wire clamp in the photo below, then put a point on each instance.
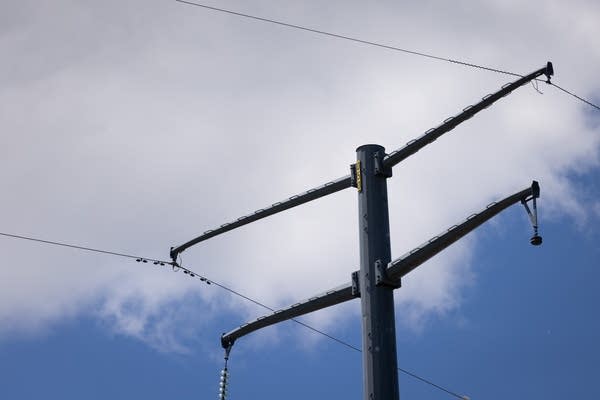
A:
(549, 72)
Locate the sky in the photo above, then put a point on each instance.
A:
(134, 126)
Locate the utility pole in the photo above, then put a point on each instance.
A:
(380, 377)
(378, 276)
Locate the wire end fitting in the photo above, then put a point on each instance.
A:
(549, 72)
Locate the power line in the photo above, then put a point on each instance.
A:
(576, 96)
(371, 43)
(352, 39)
(113, 253)
(177, 266)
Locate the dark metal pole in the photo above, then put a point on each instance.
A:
(380, 369)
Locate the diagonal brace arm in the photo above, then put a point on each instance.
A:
(296, 200)
(431, 135)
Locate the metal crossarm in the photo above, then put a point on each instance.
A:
(296, 200)
(389, 161)
(431, 135)
(395, 270)
(327, 299)
(411, 260)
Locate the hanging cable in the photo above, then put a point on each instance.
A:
(176, 266)
(375, 44)
(113, 253)
(352, 39)
(576, 96)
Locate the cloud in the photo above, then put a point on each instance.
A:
(135, 127)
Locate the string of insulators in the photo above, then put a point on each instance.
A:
(176, 267)
(224, 375)
(536, 239)
(223, 384)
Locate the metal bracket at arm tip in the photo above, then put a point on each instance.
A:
(535, 189)
(549, 72)
(226, 344)
(173, 254)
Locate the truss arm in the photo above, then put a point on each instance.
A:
(431, 135)
(305, 197)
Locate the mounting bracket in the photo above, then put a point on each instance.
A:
(381, 276)
(380, 168)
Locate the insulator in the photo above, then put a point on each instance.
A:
(144, 261)
(139, 260)
(536, 240)
(192, 274)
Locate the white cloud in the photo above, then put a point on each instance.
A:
(135, 127)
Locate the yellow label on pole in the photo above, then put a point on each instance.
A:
(358, 176)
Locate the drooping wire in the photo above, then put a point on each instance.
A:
(177, 266)
(375, 44)
(352, 39)
(576, 96)
(72, 246)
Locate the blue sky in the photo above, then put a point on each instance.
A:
(132, 127)
(527, 328)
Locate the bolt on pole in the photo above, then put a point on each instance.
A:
(380, 376)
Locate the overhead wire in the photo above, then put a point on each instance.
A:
(371, 43)
(178, 266)
(72, 246)
(576, 96)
